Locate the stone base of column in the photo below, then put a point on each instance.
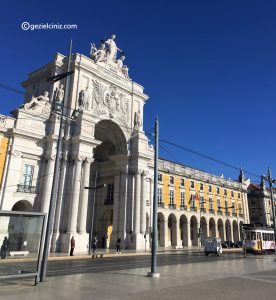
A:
(82, 242)
(138, 241)
(55, 242)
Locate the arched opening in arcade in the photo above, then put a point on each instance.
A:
(194, 231)
(161, 229)
(228, 230)
(172, 230)
(204, 228)
(107, 173)
(220, 229)
(212, 228)
(236, 235)
(184, 230)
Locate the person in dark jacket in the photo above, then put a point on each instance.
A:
(4, 248)
(118, 245)
(73, 244)
(94, 244)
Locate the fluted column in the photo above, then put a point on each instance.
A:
(84, 195)
(137, 202)
(143, 203)
(123, 203)
(75, 196)
(130, 202)
(48, 183)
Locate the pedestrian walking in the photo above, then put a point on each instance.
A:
(94, 244)
(4, 248)
(118, 245)
(73, 244)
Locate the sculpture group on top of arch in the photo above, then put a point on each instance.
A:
(107, 53)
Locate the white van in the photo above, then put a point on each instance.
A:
(212, 245)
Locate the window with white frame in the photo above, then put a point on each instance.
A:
(182, 182)
(201, 201)
(192, 185)
(159, 195)
(27, 176)
(159, 177)
(171, 197)
(218, 191)
(210, 203)
(171, 180)
(210, 189)
(182, 199)
(218, 204)
(201, 186)
(192, 200)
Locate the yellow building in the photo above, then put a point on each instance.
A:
(193, 204)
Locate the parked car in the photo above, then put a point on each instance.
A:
(224, 245)
(238, 244)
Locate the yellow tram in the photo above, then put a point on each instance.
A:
(259, 239)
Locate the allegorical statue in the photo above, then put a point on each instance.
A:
(59, 94)
(137, 120)
(38, 101)
(123, 68)
(112, 47)
(84, 99)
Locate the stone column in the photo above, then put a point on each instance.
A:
(84, 195)
(122, 212)
(75, 196)
(137, 200)
(130, 202)
(48, 183)
(178, 234)
(143, 203)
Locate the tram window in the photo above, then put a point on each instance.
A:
(264, 236)
(247, 235)
(253, 235)
(271, 236)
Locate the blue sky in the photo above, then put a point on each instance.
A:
(208, 66)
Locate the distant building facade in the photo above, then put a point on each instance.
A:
(106, 148)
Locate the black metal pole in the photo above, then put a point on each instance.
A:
(55, 181)
(271, 181)
(154, 211)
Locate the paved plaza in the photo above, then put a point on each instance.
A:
(251, 278)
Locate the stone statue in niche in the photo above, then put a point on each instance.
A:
(39, 101)
(112, 98)
(137, 119)
(59, 94)
(84, 99)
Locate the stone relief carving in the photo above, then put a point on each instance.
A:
(39, 105)
(106, 55)
(109, 102)
(59, 94)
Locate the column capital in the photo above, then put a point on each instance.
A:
(76, 158)
(88, 160)
(50, 156)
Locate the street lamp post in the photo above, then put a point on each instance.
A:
(153, 272)
(271, 181)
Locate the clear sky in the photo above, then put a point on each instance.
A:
(208, 67)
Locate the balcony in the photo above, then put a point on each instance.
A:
(172, 206)
(26, 189)
(193, 208)
(219, 212)
(108, 202)
(241, 215)
(183, 207)
(211, 211)
(160, 204)
(202, 209)
(234, 214)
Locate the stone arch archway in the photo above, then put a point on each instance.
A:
(172, 230)
(105, 229)
(161, 229)
(212, 227)
(194, 231)
(110, 168)
(184, 230)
